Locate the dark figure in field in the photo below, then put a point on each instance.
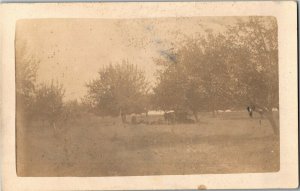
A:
(250, 111)
(169, 117)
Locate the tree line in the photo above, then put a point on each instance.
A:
(233, 69)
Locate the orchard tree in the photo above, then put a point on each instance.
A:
(198, 78)
(49, 102)
(26, 73)
(119, 90)
(212, 69)
(255, 62)
(178, 88)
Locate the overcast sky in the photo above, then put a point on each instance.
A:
(73, 50)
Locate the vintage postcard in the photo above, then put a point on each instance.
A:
(156, 95)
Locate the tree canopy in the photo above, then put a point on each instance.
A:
(233, 69)
(120, 89)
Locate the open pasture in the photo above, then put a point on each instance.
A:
(231, 142)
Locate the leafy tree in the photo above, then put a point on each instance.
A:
(255, 62)
(176, 88)
(49, 102)
(26, 73)
(212, 69)
(120, 89)
(197, 79)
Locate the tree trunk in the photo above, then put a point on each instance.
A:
(53, 126)
(272, 121)
(213, 113)
(213, 108)
(123, 116)
(195, 113)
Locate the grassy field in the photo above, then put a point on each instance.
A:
(95, 146)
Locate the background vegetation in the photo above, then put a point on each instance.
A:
(230, 70)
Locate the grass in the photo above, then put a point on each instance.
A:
(95, 146)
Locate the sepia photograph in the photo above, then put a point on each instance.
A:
(149, 95)
(135, 97)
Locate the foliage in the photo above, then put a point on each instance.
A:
(197, 79)
(120, 89)
(213, 71)
(49, 102)
(257, 76)
(258, 73)
(26, 73)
